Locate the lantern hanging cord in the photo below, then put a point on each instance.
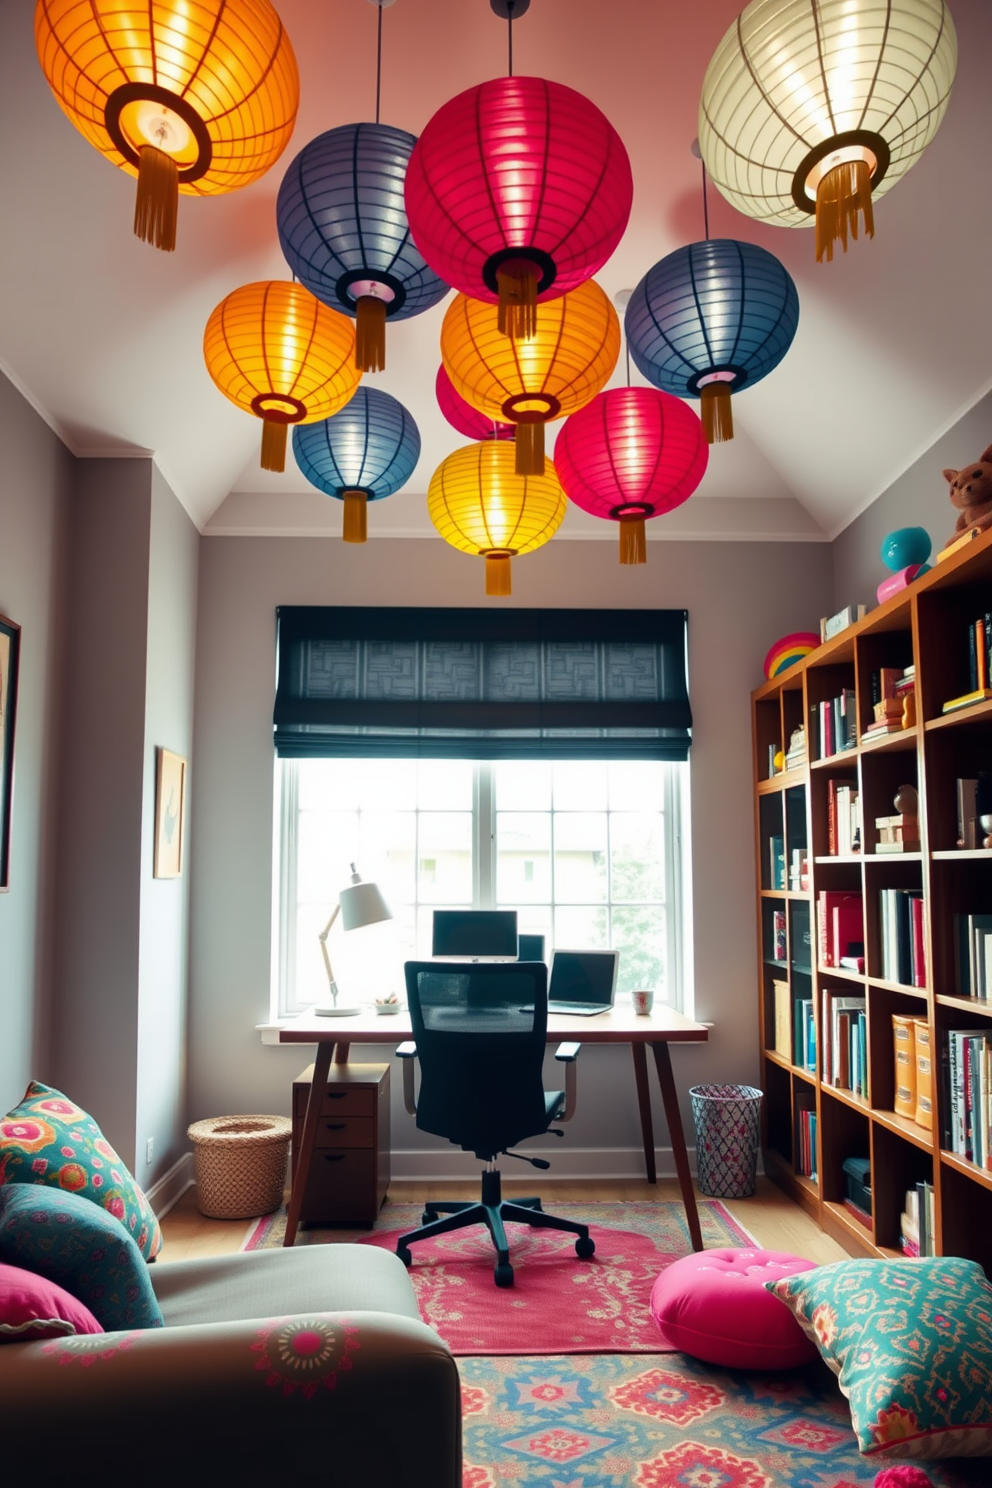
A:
(626, 347)
(378, 64)
(706, 205)
(509, 37)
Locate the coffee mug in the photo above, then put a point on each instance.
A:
(643, 1001)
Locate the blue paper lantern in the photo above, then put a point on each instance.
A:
(364, 453)
(709, 319)
(343, 228)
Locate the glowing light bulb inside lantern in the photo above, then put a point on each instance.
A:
(165, 130)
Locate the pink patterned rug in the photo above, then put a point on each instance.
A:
(558, 1303)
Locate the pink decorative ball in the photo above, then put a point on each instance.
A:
(902, 1477)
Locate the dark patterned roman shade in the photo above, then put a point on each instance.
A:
(482, 684)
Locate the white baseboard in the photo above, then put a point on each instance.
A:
(171, 1186)
(619, 1163)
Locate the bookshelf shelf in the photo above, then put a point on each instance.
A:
(913, 913)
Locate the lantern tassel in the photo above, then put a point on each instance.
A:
(156, 205)
(370, 334)
(842, 193)
(717, 411)
(529, 441)
(274, 444)
(633, 540)
(517, 281)
(356, 527)
(498, 580)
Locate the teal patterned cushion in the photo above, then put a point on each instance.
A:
(911, 1344)
(47, 1139)
(81, 1248)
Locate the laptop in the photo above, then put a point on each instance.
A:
(583, 982)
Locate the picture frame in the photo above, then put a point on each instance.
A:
(10, 652)
(170, 813)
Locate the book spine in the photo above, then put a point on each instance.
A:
(904, 1049)
(972, 660)
(832, 786)
(924, 1074)
(919, 954)
(981, 655)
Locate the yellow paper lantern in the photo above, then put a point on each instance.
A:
(191, 96)
(530, 383)
(277, 352)
(813, 107)
(479, 504)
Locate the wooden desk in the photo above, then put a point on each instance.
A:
(334, 1036)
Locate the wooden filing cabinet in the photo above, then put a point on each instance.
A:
(349, 1173)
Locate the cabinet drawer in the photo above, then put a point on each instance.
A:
(348, 1100)
(341, 1185)
(345, 1131)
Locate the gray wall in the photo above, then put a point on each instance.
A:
(36, 473)
(917, 499)
(739, 599)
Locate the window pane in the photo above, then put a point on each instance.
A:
(637, 856)
(582, 928)
(523, 857)
(580, 857)
(388, 845)
(445, 785)
(580, 785)
(327, 842)
(639, 935)
(321, 789)
(523, 785)
(636, 785)
(445, 857)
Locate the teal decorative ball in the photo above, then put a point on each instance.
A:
(905, 547)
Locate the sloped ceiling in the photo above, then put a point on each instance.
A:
(103, 334)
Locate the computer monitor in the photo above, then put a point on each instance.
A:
(583, 978)
(475, 932)
(530, 947)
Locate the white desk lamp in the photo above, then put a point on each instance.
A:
(359, 904)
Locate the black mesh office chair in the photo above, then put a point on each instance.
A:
(479, 1031)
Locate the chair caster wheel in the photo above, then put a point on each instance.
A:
(427, 1218)
(504, 1275)
(405, 1254)
(585, 1247)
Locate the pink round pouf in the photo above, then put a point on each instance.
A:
(902, 1477)
(713, 1305)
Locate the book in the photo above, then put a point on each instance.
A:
(923, 1115)
(967, 790)
(977, 695)
(840, 924)
(778, 935)
(902, 958)
(832, 625)
(783, 1020)
(861, 1215)
(904, 1049)
(971, 958)
(776, 852)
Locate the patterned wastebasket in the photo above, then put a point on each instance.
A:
(727, 1119)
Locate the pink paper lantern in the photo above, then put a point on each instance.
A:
(463, 417)
(629, 455)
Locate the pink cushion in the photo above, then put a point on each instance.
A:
(32, 1307)
(714, 1306)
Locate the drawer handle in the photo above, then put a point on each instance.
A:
(336, 1094)
(334, 1157)
(335, 1125)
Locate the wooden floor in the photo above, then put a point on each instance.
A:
(774, 1221)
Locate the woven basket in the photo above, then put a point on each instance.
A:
(240, 1164)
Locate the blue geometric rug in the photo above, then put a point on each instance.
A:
(664, 1421)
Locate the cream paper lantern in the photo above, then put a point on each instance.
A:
(812, 108)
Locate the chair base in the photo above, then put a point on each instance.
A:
(492, 1211)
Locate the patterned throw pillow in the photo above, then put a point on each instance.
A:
(31, 1306)
(47, 1139)
(81, 1248)
(911, 1344)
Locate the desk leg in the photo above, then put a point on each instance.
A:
(341, 1053)
(673, 1116)
(321, 1067)
(644, 1106)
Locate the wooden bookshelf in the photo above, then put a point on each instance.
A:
(925, 626)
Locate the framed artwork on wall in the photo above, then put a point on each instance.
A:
(10, 646)
(170, 824)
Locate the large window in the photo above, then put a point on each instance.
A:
(589, 853)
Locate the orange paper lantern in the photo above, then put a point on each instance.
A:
(277, 352)
(568, 360)
(479, 504)
(192, 96)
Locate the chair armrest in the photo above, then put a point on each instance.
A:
(408, 1053)
(251, 1402)
(567, 1054)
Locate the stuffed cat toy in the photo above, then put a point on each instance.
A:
(971, 492)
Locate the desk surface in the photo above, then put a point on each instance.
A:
(621, 1025)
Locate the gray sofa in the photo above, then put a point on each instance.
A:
(305, 1366)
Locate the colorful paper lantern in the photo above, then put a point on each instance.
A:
(343, 228)
(812, 108)
(790, 649)
(531, 383)
(365, 453)
(463, 417)
(479, 504)
(191, 96)
(709, 319)
(518, 190)
(630, 455)
(280, 354)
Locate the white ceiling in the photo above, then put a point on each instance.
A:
(103, 334)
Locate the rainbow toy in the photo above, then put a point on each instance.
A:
(790, 649)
